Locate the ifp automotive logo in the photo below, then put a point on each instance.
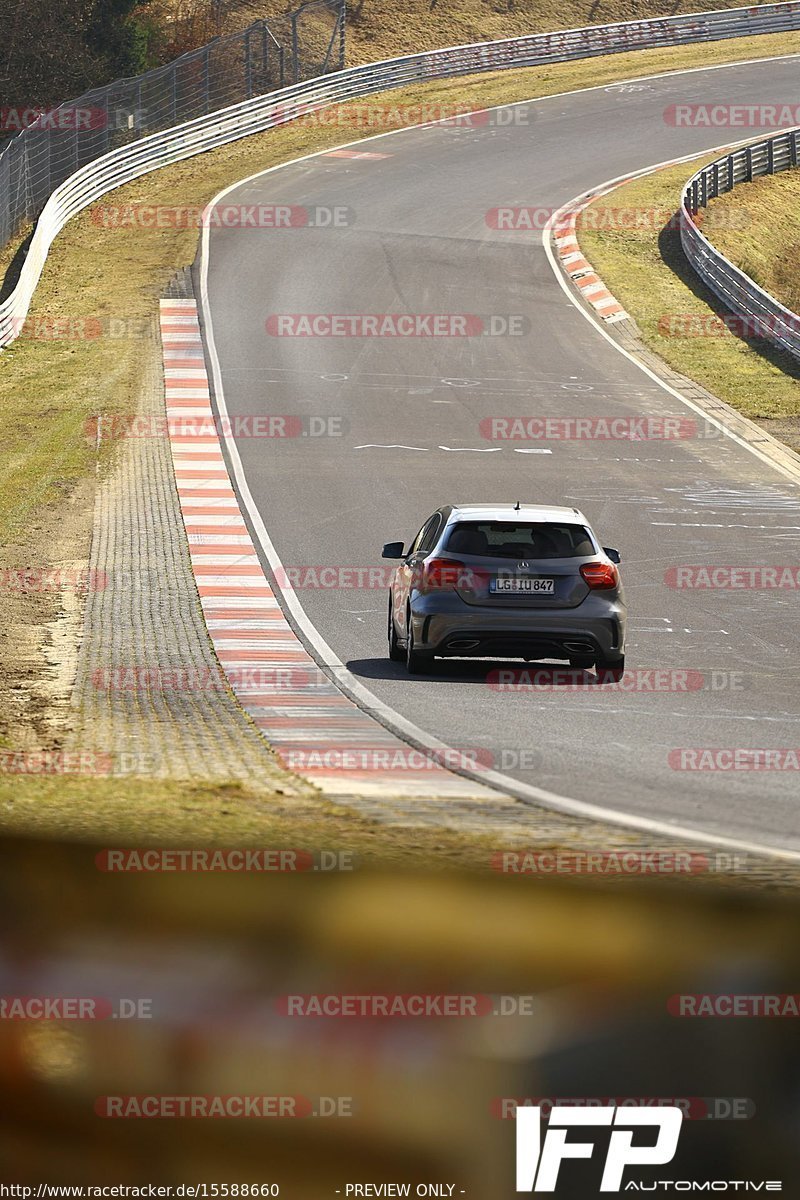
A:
(539, 1160)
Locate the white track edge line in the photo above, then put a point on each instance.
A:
(547, 242)
(375, 707)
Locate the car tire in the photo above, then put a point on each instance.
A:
(611, 670)
(396, 651)
(581, 662)
(418, 662)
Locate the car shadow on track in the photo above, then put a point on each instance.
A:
(499, 674)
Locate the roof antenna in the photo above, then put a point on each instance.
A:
(516, 507)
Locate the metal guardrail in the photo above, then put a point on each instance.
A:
(759, 314)
(206, 132)
(265, 56)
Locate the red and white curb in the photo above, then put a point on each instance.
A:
(345, 153)
(315, 730)
(580, 270)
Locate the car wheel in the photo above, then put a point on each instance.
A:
(611, 670)
(396, 651)
(581, 662)
(418, 662)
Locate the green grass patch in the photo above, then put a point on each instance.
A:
(766, 241)
(379, 29)
(140, 812)
(646, 270)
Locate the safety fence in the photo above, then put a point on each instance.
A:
(94, 171)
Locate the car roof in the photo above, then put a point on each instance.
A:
(525, 512)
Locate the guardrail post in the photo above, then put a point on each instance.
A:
(715, 179)
(49, 167)
(110, 131)
(730, 173)
(296, 64)
(794, 145)
(342, 34)
(748, 158)
(771, 156)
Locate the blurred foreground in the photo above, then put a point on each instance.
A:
(209, 985)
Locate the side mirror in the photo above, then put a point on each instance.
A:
(392, 550)
(614, 555)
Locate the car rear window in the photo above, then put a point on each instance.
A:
(519, 539)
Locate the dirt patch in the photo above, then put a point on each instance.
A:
(785, 429)
(41, 616)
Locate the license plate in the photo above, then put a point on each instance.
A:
(516, 584)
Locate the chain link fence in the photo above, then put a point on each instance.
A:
(257, 60)
(317, 38)
(84, 182)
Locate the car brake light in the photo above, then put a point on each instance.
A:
(600, 575)
(444, 574)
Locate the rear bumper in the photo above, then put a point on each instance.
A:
(448, 627)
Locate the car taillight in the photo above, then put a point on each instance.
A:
(600, 575)
(443, 574)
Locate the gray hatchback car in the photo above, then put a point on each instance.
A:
(506, 581)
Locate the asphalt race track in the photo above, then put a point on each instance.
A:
(411, 410)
